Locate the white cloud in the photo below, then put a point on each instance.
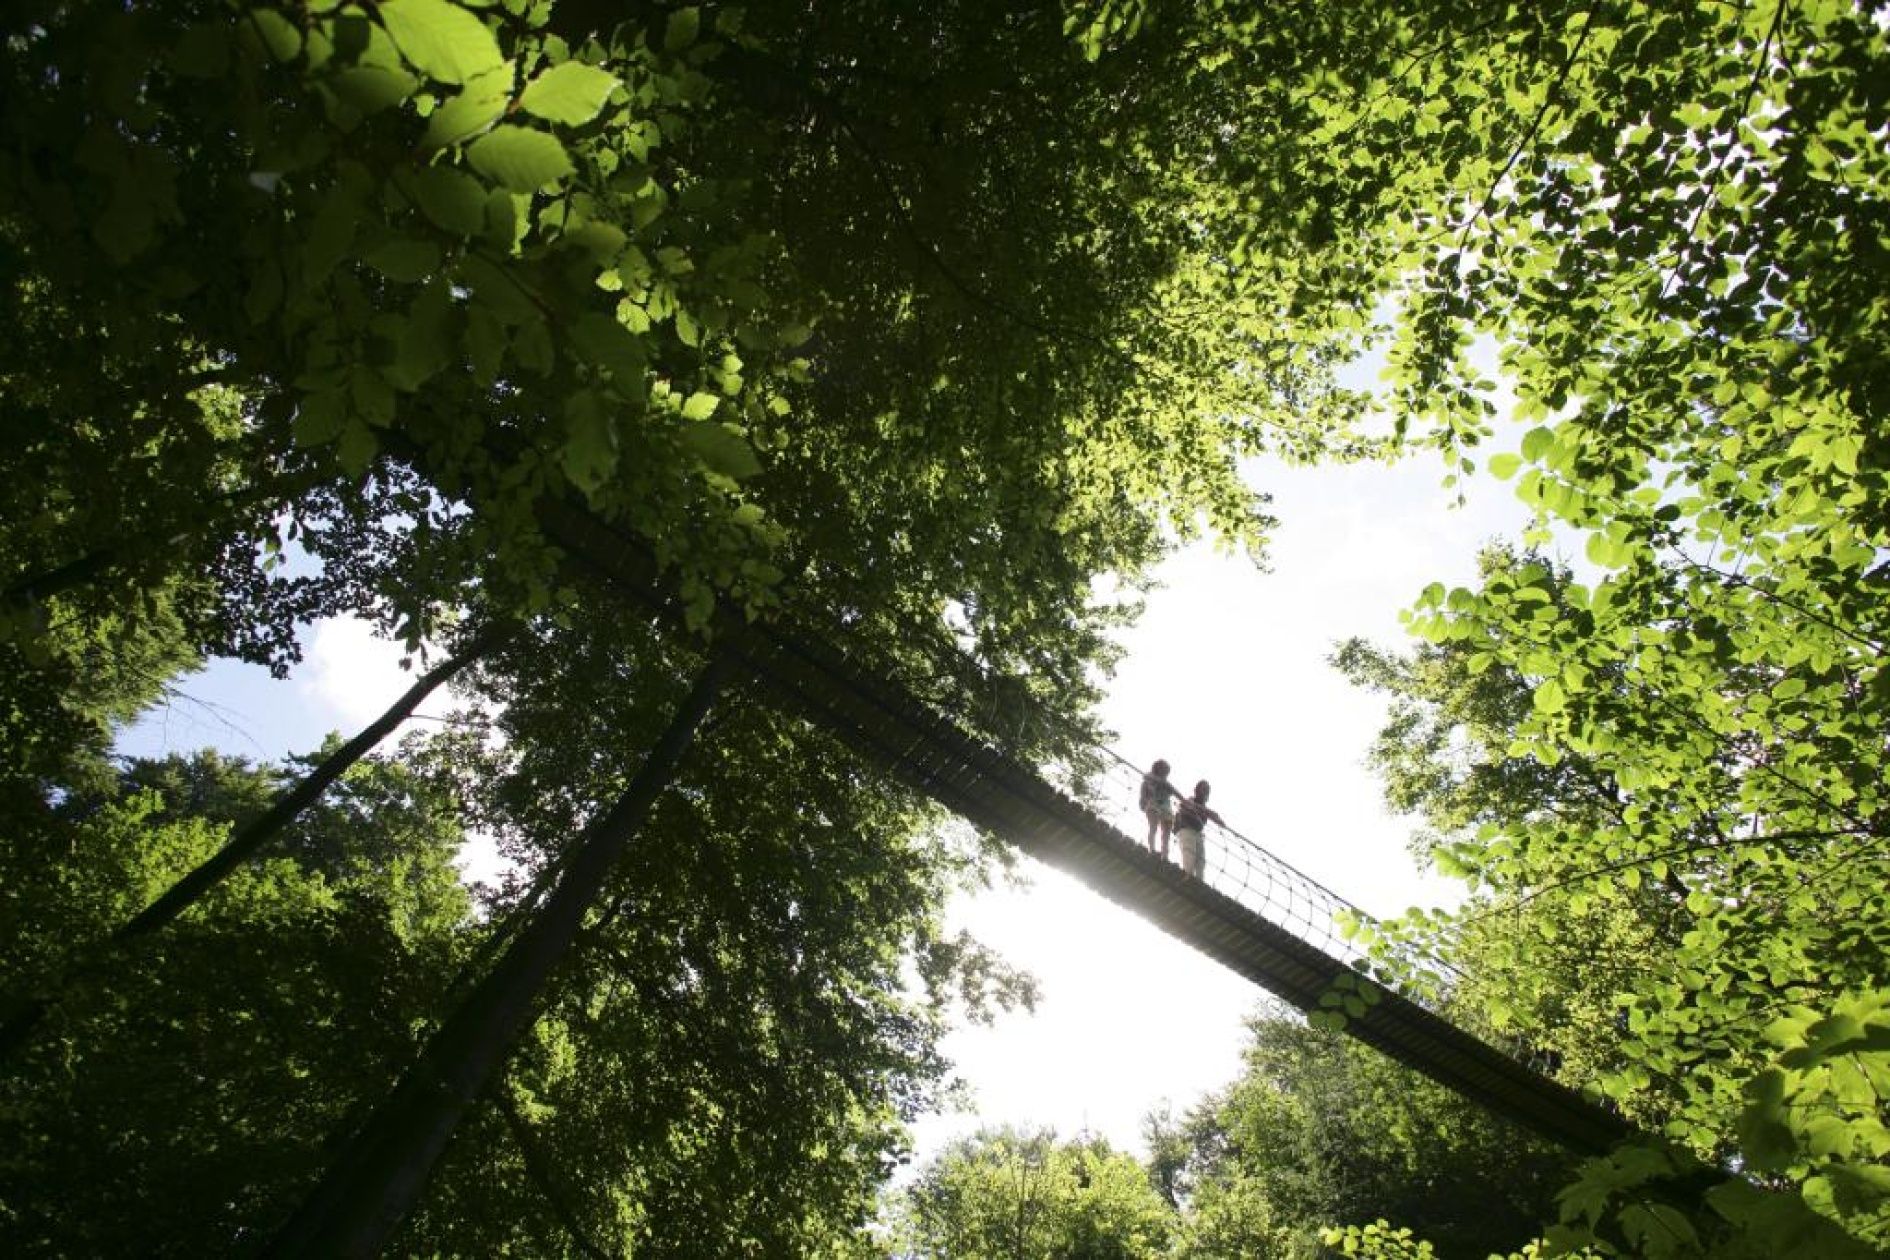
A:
(351, 673)
(354, 676)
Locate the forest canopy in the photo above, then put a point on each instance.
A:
(908, 323)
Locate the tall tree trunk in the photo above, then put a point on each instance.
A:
(249, 838)
(259, 831)
(374, 1179)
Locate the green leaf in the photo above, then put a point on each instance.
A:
(476, 107)
(1766, 1142)
(1504, 466)
(572, 93)
(1658, 1230)
(590, 449)
(700, 406)
(532, 348)
(684, 24)
(721, 449)
(1536, 443)
(441, 39)
(278, 34)
(424, 346)
(604, 242)
(408, 261)
(371, 89)
(1603, 551)
(604, 342)
(1550, 698)
(520, 158)
(332, 229)
(485, 344)
(453, 199)
(319, 417)
(505, 219)
(496, 290)
(373, 397)
(357, 448)
(1829, 1135)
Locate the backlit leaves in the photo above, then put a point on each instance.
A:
(475, 108)
(520, 158)
(441, 39)
(572, 93)
(721, 449)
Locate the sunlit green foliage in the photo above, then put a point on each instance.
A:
(1003, 1194)
(1667, 221)
(728, 1062)
(183, 1088)
(1320, 1132)
(885, 318)
(888, 316)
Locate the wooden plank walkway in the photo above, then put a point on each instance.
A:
(881, 720)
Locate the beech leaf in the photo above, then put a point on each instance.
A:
(441, 39)
(572, 93)
(520, 158)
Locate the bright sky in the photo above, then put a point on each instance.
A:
(1225, 677)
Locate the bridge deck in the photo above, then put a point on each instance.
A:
(879, 719)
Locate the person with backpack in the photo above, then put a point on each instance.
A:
(1191, 819)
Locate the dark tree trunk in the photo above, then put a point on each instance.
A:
(249, 838)
(374, 1179)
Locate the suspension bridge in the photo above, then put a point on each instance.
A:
(1250, 911)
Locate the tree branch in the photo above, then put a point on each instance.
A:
(1529, 134)
(538, 1168)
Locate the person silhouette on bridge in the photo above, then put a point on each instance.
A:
(1158, 804)
(1191, 819)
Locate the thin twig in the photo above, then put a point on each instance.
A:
(1535, 125)
(537, 1168)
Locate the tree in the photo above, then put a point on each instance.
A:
(1000, 1193)
(175, 1098)
(1654, 891)
(1319, 1131)
(1668, 223)
(727, 1061)
(1544, 964)
(380, 287)
(250, 838)
(832, 227)
(893, 320)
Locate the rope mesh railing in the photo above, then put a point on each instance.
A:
(992, 745)
(1240, 868)
(937, 670)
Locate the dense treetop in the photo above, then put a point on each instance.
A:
(914, 324)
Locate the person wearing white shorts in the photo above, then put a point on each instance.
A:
(1191, 819)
